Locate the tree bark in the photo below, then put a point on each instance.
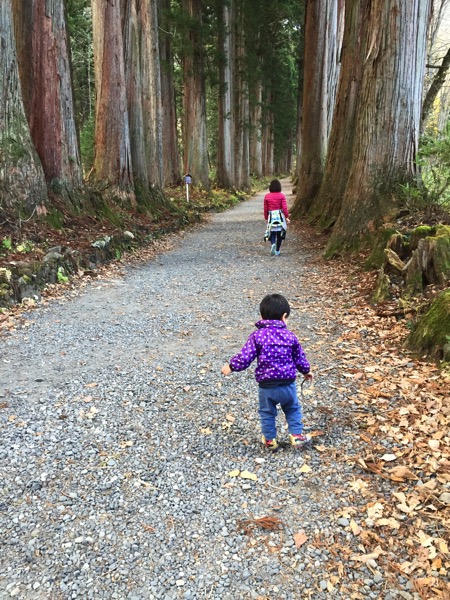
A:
(170, 152)
(134, 91)
(435, 87)
(151, 87)
(112, 161)
(143, 85)
(225, 154)
(388, 119)
(241, 107)
(326, 207)
(256, 132)
(267, 139)
(315, 102)
(195, 143)
(22, 181)
(45, 73)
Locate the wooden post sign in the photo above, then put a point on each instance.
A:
(187, 181)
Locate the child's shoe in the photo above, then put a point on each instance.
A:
(273, 249)
(277, 252)
(298, 440)
(271, 444)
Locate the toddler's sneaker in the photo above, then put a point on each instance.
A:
(273, 250)
(277, 252)
(298, 440)
(271, 444)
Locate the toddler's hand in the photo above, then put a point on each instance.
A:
(288, 221)
(226, 369)
(308, 376)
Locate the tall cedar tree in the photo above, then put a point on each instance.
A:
(225, 154)
(387, 121)
(326, 207)
(170, 151)
(44, 68)
(143, 92)
(195, 143)
(22, 182)
(321, 41)
(112, 161)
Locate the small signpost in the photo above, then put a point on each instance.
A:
(187, 181)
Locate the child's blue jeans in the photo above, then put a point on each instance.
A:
(286, 396)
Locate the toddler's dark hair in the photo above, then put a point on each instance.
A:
(273, 307)
(275, 186)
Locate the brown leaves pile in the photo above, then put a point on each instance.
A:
(406, 402)
(268, 523)
(400, 517)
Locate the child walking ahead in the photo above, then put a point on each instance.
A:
(279, 357)
(276, 213)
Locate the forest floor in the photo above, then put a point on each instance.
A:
(132, 469)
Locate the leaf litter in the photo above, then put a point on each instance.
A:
(400, 410)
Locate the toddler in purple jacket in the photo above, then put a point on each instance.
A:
(279, 357)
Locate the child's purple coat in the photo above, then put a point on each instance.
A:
(279, 353)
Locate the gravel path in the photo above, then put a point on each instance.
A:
(119, 434)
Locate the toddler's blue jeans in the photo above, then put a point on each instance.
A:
(286, 396)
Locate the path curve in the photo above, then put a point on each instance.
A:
(119, 434)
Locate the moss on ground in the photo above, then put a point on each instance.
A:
(432, 331)
(376, 257)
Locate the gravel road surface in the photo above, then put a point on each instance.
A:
(118, 435)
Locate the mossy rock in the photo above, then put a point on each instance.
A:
(432, 332)
(5, 276)
(376, 257)
(442, 231)
(383, 287)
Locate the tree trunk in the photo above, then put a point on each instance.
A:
(225, 154)
(435, 87)
(241, 107)
(134, 91)
(112, 161)
(267, 142)
(388, 119)
(151, 87)
(22, 181)
(334, 36)
(315, 102)
(195, 143)
(48, 92)
(326, 207)
(256, 133)
(170, 152)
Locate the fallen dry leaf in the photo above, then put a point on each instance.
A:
(234, 473)
(305, 469)
(388, 457)
(248, 475)
(356, 529)
(401, 473)
(366, 557)
(300, 538)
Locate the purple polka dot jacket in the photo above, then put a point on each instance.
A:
(278, 352)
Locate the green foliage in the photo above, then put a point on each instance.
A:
(55, 218)
(87, 143)
(62, 278)
(79, 24)
(25, 247)
(434, 165)
(7, 243)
